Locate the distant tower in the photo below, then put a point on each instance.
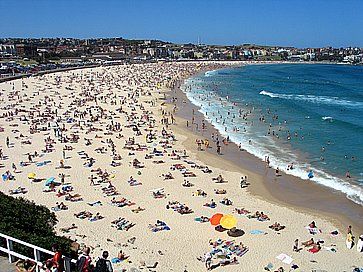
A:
(199, 42)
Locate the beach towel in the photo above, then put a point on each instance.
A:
(96, 203)
(42, 163)
(117, 260)
(285, 258)
(332, 249)
(257, 232)
(313, 231)
(314, 250)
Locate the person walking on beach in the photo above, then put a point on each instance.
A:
(296, 245)
(62, 176)
(208, 261)
(349, 231)
(7, 142)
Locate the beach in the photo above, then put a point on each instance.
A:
(112, 146)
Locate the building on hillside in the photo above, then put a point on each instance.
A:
(7, 50)
(26, 50)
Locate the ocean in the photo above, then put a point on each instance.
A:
(307, 115)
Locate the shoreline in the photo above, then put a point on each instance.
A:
(286, 190)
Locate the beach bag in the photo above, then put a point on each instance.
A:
(101, 266)
(83, 264)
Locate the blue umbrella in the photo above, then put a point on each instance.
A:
(49, 181)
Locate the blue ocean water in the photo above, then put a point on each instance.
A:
(310, 115)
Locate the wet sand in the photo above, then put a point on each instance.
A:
(298, 194)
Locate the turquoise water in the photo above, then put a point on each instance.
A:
(308, 115)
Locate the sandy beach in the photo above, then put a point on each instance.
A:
(107, 150)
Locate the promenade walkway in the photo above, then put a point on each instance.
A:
(5, 266)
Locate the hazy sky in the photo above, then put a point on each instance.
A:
(309, 23)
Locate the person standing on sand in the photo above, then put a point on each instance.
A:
(208, 260)
(62, 176)
(296, 245)
(349, 231)
(219, 149)
(277, 172)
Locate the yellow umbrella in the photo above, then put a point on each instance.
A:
(31, 176)
(228, 221)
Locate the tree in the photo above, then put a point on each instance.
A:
(32, 223)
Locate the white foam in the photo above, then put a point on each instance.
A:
(328, 100)
(210, 73)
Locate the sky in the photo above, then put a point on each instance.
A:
(304, 23)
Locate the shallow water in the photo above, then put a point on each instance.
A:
(319, 106)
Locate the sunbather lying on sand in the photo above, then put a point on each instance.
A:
(122, 224)
(211, 204)
(276, 226)
(242, 211)
(178, 207)
(73, 198)
(219, 179)
(260, 216)
(59, 207)
(67, 229)
(200, 192)
(19, 190)
(220, 191)
(226, 201)
(83, 215)
(138, 209)
(159, 226)
(308, 243)
(187, 183)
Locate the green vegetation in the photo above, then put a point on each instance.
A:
(34, 224)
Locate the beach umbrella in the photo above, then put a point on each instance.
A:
(49, 181)
(216, 219)
(233, 232)
(31, 176)
(228, 221)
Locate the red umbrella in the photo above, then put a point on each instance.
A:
(215, 219)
